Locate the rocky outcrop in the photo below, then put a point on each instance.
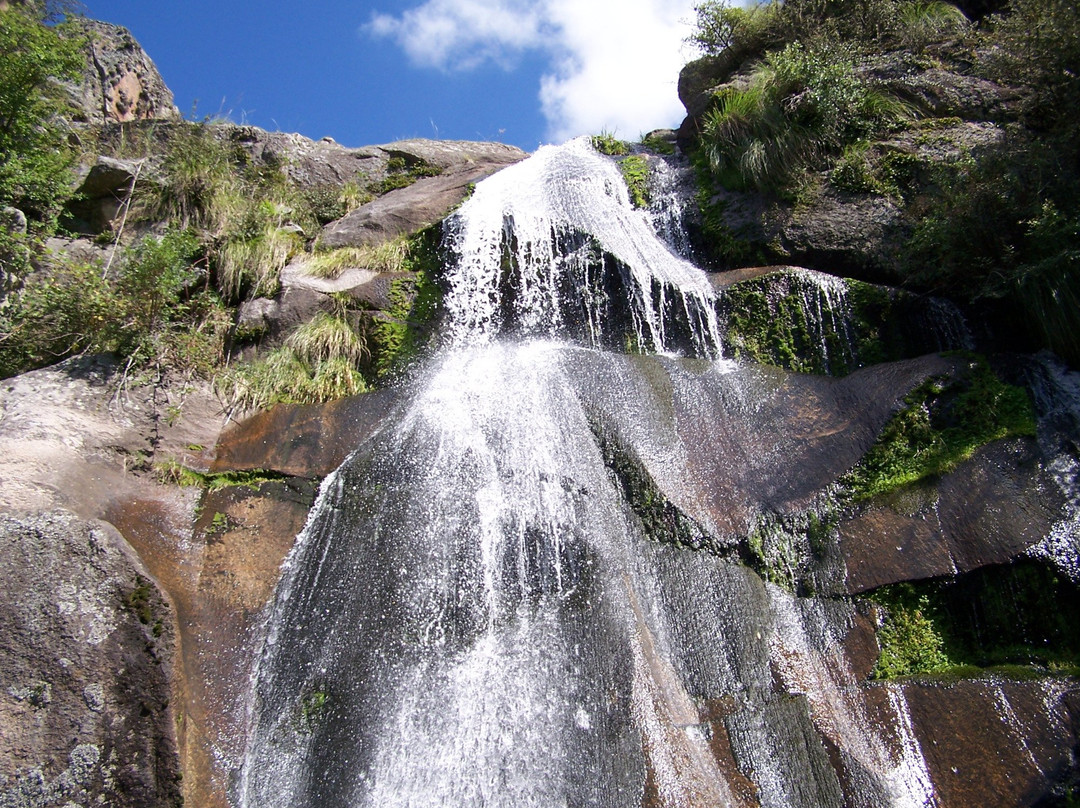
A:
(931, 530)
(426, 201)
(86, 712)
(856, 215)
(120, 83)
(102, 195)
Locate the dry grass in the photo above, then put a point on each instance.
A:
(390, 256)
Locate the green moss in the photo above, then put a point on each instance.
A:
(910, 640)
(941, 425)
(635, 170)
(766, 324)
(659, 518)
(313, 706)
(1015, 621)
(401, 173)
(406, 327)
(175, 473)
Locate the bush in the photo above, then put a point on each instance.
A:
(71, 310)
(34, 154)
(318, 362)
(801, 106)
(149, 309)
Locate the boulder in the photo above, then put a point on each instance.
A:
(428, 200)
(932, 529)
(86, 711)
(13, 220)
(102, 194)
(120, 82)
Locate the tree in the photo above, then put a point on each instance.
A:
(34, 154)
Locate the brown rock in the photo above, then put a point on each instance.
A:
(994, 743)
(303, 440)
(990, 510)
(120, 83)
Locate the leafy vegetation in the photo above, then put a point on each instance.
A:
(607, 143)
(803, 104)
(942, 423)
(34, 153)
(1000, 228)
(401, 173)
(1009, 619)
(405, 328)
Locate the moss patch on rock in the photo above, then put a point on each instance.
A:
(1016, 620)
(943, 422)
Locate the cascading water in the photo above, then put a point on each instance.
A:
(474, 615)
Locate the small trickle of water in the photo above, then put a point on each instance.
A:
(668, 202)
(537, 247)
(1056, 392)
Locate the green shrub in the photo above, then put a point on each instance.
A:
(607, 143)
(199, 175)
(744, 31)
(318, 362)
(326, 338)
(69, 310)
(802, 105)
(256, 250)
(34, 153)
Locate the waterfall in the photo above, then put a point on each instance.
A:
(552, 247)
(474, 615)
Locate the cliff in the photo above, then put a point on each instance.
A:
(875, 506)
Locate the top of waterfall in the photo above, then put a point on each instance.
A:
(527, 213)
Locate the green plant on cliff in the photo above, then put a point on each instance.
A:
(1013, 619)
(401, 173)
(635, 171)
(910, 640)
(34, 152)
(942, 423)
(400, 333)
(607, 143)
(152, 305)
(390, 256)
(319, 361)
(803, 104)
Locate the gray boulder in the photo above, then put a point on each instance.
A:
(426, 201)
(86, 669)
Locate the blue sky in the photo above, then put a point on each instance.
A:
(524, 72)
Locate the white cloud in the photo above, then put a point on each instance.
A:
(612, 64)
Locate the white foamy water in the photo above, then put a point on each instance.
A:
(530, 244)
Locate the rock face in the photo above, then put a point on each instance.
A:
(102, 195)
(850, 223)
(86, 662)
(121, 82)
(426, 201)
